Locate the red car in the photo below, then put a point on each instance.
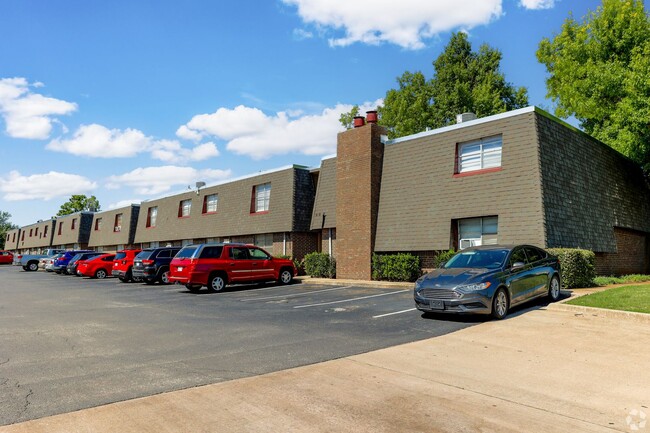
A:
(215, 265)
(123, 265)
(6, 257)
(96, 267)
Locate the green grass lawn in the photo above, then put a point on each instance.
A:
(627, 298)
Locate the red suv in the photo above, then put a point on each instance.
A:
(123, 265)
(215, 265)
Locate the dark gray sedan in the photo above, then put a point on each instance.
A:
(489, 280)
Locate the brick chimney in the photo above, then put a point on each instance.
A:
(359, 159)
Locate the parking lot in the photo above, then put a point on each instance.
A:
(68, 343)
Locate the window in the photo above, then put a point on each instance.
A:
(74, 223)
(479, 155)
(117, 227)
(210, 203)
(60, 227)
(261, 197)
(265, 241)
(237, 253)
(184, 208)
(152, 213)
(23, 239)
(211, 252)
(477, 231)
(45, 231)
(258, 254)
(31, 232)
(36, 232)
(98, 224)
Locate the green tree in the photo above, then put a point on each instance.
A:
(5, 226)
(347, 119)
(463, 81)
(598, 72)
(78, 203)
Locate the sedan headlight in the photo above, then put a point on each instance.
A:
(473, 287)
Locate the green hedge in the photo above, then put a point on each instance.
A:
(395, 267)
(319, 265)
(442, 257)
(578, 267)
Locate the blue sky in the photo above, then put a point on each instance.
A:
(130, 100)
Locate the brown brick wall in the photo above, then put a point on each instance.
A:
(358, 178)
(630, 256)
(325, 243)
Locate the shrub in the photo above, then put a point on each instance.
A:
(319, 265)
(578, 266)
(395, 267)
(442, 257)
(625, 279)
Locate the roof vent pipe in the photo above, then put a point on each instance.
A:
(359, 121)
(371, 116)
(465, 117)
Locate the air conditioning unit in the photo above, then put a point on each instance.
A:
(466, 243)
(118, 228)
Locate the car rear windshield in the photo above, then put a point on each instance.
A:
(490, 259)
(186, 252)
(144, 254)
(120, 255)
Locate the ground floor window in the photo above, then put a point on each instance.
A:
(264, 241)
(477, 231)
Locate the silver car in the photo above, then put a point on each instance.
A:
(489, 280)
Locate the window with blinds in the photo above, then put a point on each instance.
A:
(480, 154)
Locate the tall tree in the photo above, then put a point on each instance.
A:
(5, 226)
(599, 71)
(78, 203)
(463, 81)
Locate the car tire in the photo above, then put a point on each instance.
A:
(194, 288)
(24, 268)
(32, 266)
(123, 280)
(216, 283)
(500, 304)
(163, 277)
(148, 281)
(100, 274)
(285, 277)
(554, 289)
(128, 276)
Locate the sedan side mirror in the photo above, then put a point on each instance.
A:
(517, 266)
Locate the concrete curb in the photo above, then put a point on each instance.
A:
(600, 312)
(361, 283)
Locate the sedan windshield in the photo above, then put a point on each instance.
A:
(490, 259)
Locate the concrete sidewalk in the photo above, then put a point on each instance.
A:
(546, 370)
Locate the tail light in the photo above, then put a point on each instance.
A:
(19, 256)
(147, 262)
(124, 262)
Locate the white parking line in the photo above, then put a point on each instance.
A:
(350, 300)
(293, 295)
(396, 312)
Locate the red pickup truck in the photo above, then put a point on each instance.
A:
(216, 265)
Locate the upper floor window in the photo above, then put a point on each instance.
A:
(152, 214)
(479, 155)
(210, 203)
(74, 223)
(31, 231)
(23, 236)
(45, 231)
(184, 208)
(36, 232)
(262, 197)
(98, 224)
(117, 227)
(60, 227)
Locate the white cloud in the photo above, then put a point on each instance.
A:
(156, 180)
(27, 114)
(16, 187)
(405, 23)
(123, 203)
(538, 4)
(97, 141)
(100, 142)
(249, 131)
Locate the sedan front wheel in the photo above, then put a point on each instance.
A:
(500, 304)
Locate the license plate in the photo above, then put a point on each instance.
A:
(437, 305)
(180, 268)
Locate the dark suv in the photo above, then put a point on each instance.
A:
(152, 264)
(71, 268)
(215, 265)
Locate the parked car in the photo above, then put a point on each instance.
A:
(71, 268)
(489, 280)
(216, 265)
(123, 264)
(152, 264)
(61, 263)
(96, 267)
(6, 257)
(49, 262)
